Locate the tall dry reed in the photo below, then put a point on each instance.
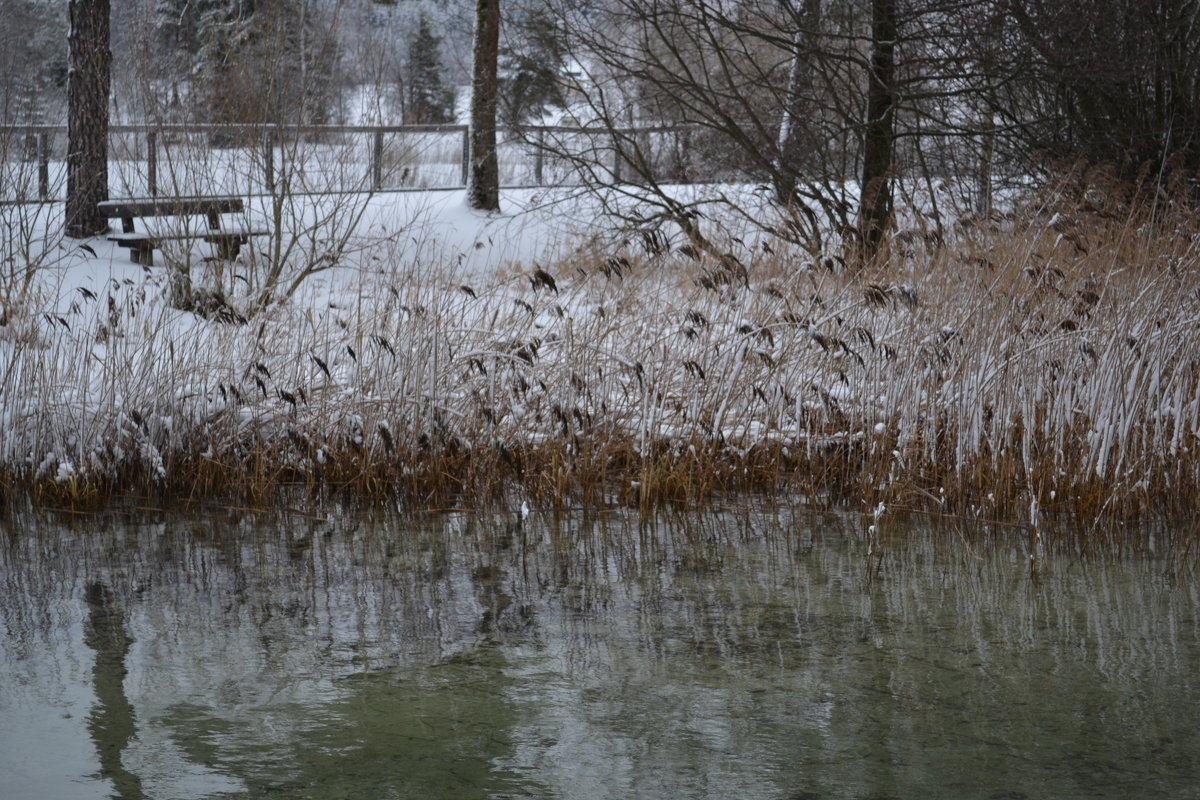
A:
(1030, 366)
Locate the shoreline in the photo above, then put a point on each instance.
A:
(1007, 374)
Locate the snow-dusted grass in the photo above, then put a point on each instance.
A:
(1038, 363)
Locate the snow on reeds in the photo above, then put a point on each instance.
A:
(1011, 372)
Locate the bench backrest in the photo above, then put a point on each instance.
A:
(210, 207)
(170, 206)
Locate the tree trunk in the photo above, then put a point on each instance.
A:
(87, 117)
(483, 180)
(789, 141)
(875, 206)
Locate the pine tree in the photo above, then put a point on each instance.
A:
(427, 99)
(33, 60)
(531, 69)
(483, 175)
(88, 84)
(260, 60)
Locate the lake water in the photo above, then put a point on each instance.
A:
(727, 654)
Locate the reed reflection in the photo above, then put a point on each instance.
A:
(744, 652)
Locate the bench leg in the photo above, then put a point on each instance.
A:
(145, 257)
(228, 249)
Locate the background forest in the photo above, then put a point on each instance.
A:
(794, 94)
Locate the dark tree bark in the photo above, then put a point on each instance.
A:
(483, 179)
(879, 138)
(1110, 82)
(88, 81)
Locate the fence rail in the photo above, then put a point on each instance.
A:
(183, 158)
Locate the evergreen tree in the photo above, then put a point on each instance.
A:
(531, 69)
(175, 41)
(427, 99)
(33, 60)
(251, 61)
(176, 30)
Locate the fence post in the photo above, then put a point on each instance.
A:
(377, 161)
(43, 147)
(983, 204)
(616, 167)
(152, 162)
(466, 154)
(685, 160)
(539, 157)
(269, 162)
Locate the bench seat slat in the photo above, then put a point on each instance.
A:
(208, 235)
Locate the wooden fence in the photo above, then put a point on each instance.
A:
(150, 159)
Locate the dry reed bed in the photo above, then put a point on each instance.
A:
(1037, 364)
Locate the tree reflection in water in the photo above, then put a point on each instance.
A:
(755, 653)
(111, 724)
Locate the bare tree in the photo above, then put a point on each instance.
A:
(1106, 81)
(483, 183)
(88, 84)
(757, 91)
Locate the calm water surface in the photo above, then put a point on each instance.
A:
(731, 654)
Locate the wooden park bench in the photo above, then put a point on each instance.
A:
(141, 244)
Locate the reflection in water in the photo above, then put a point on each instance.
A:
(435, 733)
(729, 654)
(111, 723)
